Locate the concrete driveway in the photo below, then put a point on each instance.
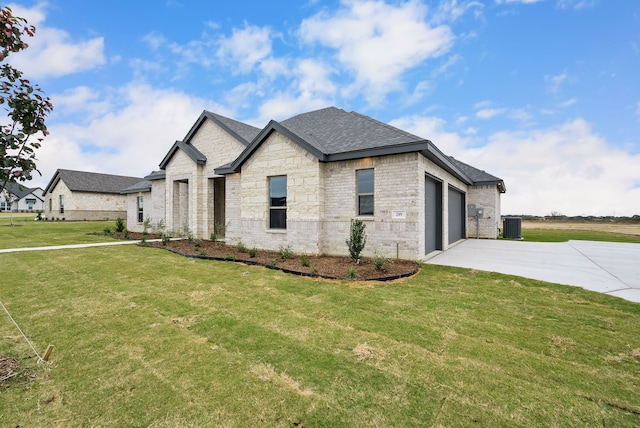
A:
(606, 267)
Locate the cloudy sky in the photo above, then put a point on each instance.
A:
(544, 94)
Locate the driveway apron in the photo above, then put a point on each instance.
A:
(606, 267)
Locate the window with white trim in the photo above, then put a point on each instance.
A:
(364, 179)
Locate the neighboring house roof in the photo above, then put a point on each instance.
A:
(19, 190)
(242, 132)
(91, 182)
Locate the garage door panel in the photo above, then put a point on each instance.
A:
(456, 215)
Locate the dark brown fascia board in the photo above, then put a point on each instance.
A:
(257, 142)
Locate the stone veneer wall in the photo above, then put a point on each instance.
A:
(396, 181)
(85, 205)
(275, 157)
(487, 197)
(187, 190)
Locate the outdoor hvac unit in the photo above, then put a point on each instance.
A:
(512, 228)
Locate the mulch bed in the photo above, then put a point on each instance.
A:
(329, 267)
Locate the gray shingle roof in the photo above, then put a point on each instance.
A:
(92, 182)
(243, 132)
(17, 189)
(478, 176)
(188, 149)
(333, 130)
(156, 175)
(140, 186)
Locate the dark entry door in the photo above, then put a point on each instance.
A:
(456, 215)
(432, 215)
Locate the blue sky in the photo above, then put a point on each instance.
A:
(544, 94)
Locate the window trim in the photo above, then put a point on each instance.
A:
(358, 194)
(277, 207)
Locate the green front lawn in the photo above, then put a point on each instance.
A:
(144, 337)
(564, 235)
(29, 233)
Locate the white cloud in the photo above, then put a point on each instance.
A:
(566, 168)
(450, 10)
(575, 4)
(130, 137)
(246, 47)
(378, 42)
(555, 82)
(517, 1)
(54, 48)
(489, 113)
(568, 103)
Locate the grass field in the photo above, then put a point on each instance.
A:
(144, 337)
(561, 231)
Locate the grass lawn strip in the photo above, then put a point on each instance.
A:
(192, 343)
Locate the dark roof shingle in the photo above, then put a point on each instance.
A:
(91, 182)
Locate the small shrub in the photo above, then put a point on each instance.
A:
(230, 257)
(107, 230)
(241, 247)
(253, 252)
(146, 225)
(314, 270)
(305, 260)
(126, 234)
(120, 225)
(219, 230)
(159, 227)
(165, 239)
(351, 273)
(273, 263)
(357, 239)
(144, 242)
(197, 243)
(380, 262)
(202, 252)
(285, 252)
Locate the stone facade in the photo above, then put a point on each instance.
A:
(321, 193)
(487, 198)
(189, 187)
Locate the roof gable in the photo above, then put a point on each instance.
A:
(91, 182)
(241, 132)
(332, 134)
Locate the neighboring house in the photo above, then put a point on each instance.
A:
(299, 183)
(80, 195)
(17, 197)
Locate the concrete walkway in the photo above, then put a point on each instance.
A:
(63, 247)
(606, 267)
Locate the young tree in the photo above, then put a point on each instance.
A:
(26, 107)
